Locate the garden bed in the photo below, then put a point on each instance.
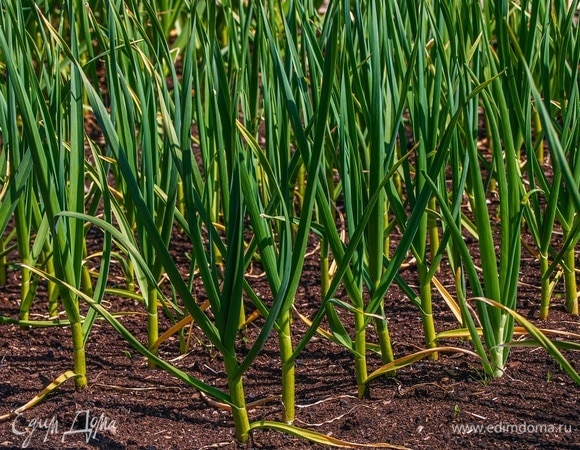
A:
(430, 405)
(215, 158)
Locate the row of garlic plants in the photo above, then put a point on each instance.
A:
(264, 116)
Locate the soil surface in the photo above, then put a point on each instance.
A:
(444, 404)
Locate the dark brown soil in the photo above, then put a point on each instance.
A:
(534, 405)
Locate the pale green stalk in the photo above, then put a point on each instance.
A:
(378, 147)
(139, 96)
(22, 213)
(312, 157)
(558, 48)
(3, 262)
(59, 171)
(425, 121)
(570, 139)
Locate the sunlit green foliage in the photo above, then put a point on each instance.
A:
(388, 132)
